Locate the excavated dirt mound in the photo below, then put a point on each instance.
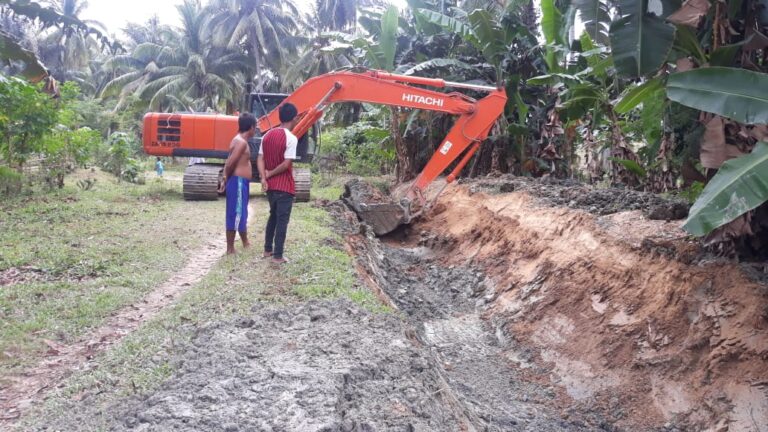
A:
(572, 194)
(611, 306)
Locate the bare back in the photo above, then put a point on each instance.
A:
(239, 148)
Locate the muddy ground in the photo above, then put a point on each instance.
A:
(620, 312)
(511, 312)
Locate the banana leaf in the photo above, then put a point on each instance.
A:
(638, 95)
(553, 78)
(490, 34)
(739, 186)
(451, 24)
(738, 94)
(551, 24)
(596, 17)
(634, 167)
(688, 42)
(388, 37)
(640, 41)
(437, 63)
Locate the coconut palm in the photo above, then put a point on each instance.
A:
(268, 29)
(152, 47)
(151, 31)
(67, 47)
(338, 15)
(185, 72)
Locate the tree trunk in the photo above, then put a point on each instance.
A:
(10, 152)
(482, 159)
(405, 163)
(257, 58)
(496, 158)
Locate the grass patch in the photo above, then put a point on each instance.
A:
(84, 254)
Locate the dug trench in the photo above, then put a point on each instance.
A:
(541, 315)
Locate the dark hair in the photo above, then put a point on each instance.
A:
(246, 122)
(288, 112)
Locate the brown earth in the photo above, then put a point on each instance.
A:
(617, 306)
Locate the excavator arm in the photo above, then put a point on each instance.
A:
(476, 117)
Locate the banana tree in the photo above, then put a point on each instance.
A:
(12, 51)
(378, 49)
(696, 63)
(494, 37)
(498, 47)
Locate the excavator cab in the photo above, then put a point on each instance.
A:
(261, 104)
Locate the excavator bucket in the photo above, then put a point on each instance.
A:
(374, 208)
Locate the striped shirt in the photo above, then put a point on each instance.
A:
(277, 145)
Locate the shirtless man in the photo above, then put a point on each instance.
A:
(237, 175)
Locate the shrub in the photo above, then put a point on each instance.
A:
(25, 120)
(10, 181)
(117, 157)
(361, 149)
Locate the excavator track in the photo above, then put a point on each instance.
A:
(201, 182)
(303, 179)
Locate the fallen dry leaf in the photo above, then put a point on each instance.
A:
(684, 64)
(756, 41)
(714, 150)
(690, 13)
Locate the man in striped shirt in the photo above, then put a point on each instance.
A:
(275, 163)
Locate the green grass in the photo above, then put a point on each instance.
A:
(318, 268)
(92, 253)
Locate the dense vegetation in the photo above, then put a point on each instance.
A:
(654, 95)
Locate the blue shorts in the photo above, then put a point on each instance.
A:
(237, 203)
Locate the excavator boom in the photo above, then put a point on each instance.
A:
(476, 117)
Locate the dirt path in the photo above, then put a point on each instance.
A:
(30, 386)
(315, 366)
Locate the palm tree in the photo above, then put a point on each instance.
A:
(185, 72)
(267, 28)
(338, 15)
(67, 47)
(151, 31)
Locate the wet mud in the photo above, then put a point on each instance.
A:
(318, 366)
(445, 306)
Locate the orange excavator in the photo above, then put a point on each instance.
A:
(201, 135)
